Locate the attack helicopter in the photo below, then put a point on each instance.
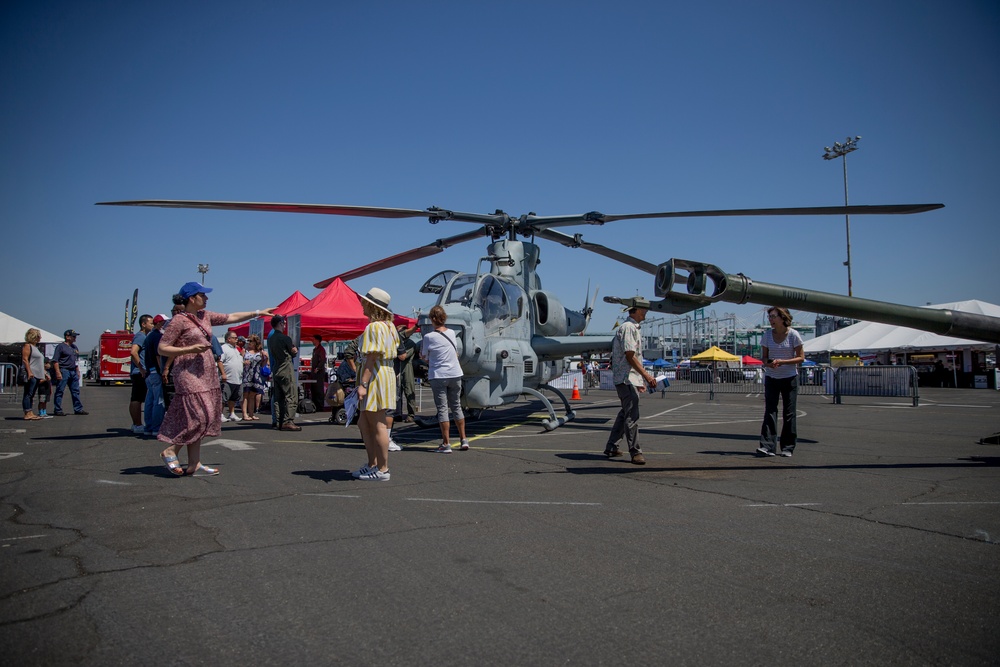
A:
(513, 335)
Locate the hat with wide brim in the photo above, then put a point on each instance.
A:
(377, 297)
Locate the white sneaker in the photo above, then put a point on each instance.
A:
(443, 449)
(464, 446)
(235, 418)
(137, 428)
(363, 470)
(376, 475)
(393, 447)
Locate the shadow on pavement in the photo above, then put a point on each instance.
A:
(326, 476)
(622, 466)
(153, 471)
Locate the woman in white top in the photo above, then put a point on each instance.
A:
(782, 351)
(444, 372)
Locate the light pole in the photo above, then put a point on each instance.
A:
(203, 269)
(841, 150)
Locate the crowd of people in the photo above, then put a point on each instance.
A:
(185, 385)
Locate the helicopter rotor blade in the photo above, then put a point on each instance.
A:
(595, 218)
(434, 214)
(576, 241)
(413, 254)
(529, 224)
(588, 308)
(332, 209)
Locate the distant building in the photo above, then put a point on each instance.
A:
(827, 324)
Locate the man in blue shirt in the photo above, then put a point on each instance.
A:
(155, 407)
(64, 364)
(137, 374)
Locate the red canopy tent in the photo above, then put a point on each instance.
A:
(336, 314)
(750, 361)
(296, 300)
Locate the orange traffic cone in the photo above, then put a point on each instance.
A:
(576, 392)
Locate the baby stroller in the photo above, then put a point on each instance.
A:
(340, 385)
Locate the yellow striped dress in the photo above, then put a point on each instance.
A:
(380, 341)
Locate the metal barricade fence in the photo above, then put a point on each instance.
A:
(8, 381)
(876, 381)
(746, 380)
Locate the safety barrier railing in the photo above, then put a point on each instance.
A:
(744, 380)
(8, 381)
(876, 381)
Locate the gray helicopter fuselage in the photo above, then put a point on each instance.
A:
(510, 333)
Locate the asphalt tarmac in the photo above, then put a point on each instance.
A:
(877, 543)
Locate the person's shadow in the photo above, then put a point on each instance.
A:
(326, 476)
(153, 471)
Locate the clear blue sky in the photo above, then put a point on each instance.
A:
(550, 107)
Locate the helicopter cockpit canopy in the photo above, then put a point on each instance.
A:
(459, 289)
(436, 283)
(500, 301)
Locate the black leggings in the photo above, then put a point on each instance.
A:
(787, 389)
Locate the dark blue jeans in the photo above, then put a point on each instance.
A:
(29, 394)
(786, 389)
(154, 407)
(71, 378)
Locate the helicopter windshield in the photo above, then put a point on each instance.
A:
(460, 289)
(502, 303)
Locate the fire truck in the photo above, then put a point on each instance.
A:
(114, 357)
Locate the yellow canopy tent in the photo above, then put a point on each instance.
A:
(715, 353)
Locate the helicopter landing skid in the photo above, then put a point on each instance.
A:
(553, 422)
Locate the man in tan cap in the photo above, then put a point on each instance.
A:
(630, 379)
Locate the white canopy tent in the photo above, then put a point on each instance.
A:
(12, 330)
(875, 337)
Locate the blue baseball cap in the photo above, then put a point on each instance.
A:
(192, 288)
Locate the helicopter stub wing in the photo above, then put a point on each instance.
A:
(577, 241)
(550, 348)
(537, 223)
(413, 254)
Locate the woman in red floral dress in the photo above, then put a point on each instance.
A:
(196, 409)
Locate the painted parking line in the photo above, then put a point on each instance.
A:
(959, 405)
(679, 407)
(958, 502)
(500, 502)
(231, 444)
(969, 502)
